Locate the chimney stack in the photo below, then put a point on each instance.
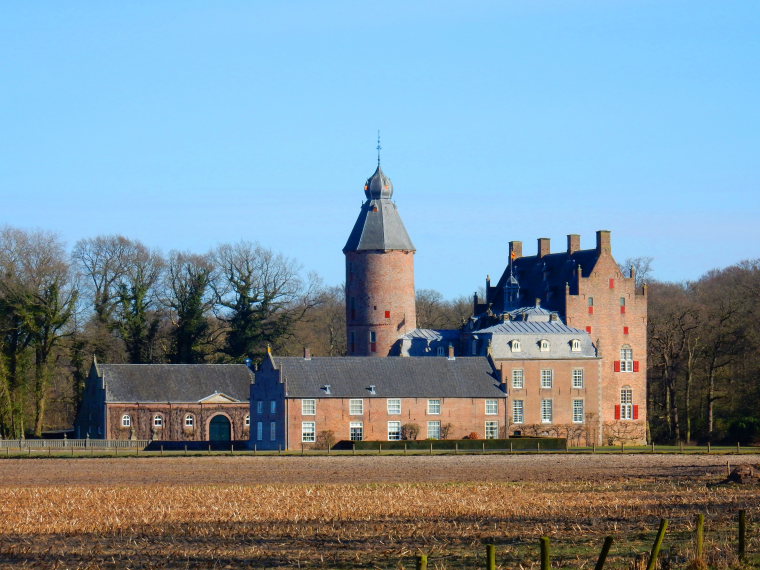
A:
(306, 353)
(603, 241)
(515, 249)
(543, 247)
(451, 352)
(573, 243)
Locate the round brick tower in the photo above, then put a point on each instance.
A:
(379, 274)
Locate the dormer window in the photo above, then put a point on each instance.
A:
(544, 345)
(575, 345)
(516, 346)
(326, 388)
(372, 389)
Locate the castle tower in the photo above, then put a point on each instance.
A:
(380, 294)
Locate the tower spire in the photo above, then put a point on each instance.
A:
(379, 148)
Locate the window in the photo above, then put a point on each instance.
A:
(518, 379)
(434, 407)
(259, 431)
(518, 411)
(578, 413)
(394, 406)
(308, 407)
(273, 407)
(492, 430)
(356, 407)
(440, 351)
(492, 407)
(575, 345)
(272, 431)
(189, 420)
(434, 430)
(544, 345)
(516, 346)
(394, 431)
(247, 420)
(308, 432)
(126, 420)
(626, 403)
(372, 341)
(578, 378)
(158, 421)
(626, 359)
(474, 347)
(547, 378)
(622, 305)
(590, 305)
(356, 431)
(546, 411)
(260, 407)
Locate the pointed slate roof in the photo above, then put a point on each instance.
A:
(379, 226)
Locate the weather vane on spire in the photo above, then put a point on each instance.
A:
(379, 148)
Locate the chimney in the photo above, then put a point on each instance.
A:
(573, 243)
(306, 353)
(515, 249)
(603, 242)
(451, 352)
(543, 247)
(326, 388)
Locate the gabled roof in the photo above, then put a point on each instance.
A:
(393, 377)
(174, 382)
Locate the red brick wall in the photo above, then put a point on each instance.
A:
(380, 299)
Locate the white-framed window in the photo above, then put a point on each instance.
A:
(356, 431)
(434, 407)
(626, 403)
(260, 406)
(440, 351)
(273, 407)
(259, 431)
(308, 432)
(394, 431)
(434, 430)
(492, 430)
(308, 407)
(516, 347)
(189, 420)
(272, 431)
(547, 411)
(578, 411)
(126, 420)
(356, 407)
(373, 341)
(578, 380)
(158, 421)
(626, 359)
(492, 407)
(394, 406)
(544, 345)
(518, 411)
(247, 420)
(575, 345)
(547, 378)
(518, 378)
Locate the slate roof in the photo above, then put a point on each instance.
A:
(174, 382)
(432, 334)
(393, 377)
(530, 333)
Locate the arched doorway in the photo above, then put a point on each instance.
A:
(219, 429)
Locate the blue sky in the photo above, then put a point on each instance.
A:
(187, 124)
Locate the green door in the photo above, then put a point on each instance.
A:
(219, 429)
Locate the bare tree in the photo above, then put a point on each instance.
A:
(641, 267)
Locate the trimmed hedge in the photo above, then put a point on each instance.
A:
(517, 444)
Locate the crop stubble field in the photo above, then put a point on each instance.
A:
(362, 512)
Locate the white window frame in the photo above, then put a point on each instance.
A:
(575, 345)
(189, 420)
(308, 432)
(393, 405)
(516, 347)
(544, 345)
(308, 407)
(579, 411)
(356, 426)
(126, 420)
(492, 407)
(434, 407)
(272, 431)
(626, 359)
(547, 378)
(626, 403)
(158, 421)
(394, 430)
(356, 407)
(547, 411)
(518, 411)
(434, 429)
(491, 430)
(518, 379)
(259, 431)
(579, 378)
(247, 420)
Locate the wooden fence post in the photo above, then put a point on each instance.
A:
(708, 447)
(490, 557)
(379, 448)
(738, 447)
(680, 445)
(421, 562)
(700, 536)
(652, 447)
(657, 544)
(545, 555)
(742, 534)
(185, 449)
(431, 448)
(603, 554)
(162, 450)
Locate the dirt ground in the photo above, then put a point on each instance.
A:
(246, 470)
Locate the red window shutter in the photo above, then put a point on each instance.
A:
(617, 411)
(387, 314)
(622, 310)
(635, 365)
(635, 412)
(373, 347)
(617, 366)
(625, 330)
(612, 283)
(588, 330)
(591, 310)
